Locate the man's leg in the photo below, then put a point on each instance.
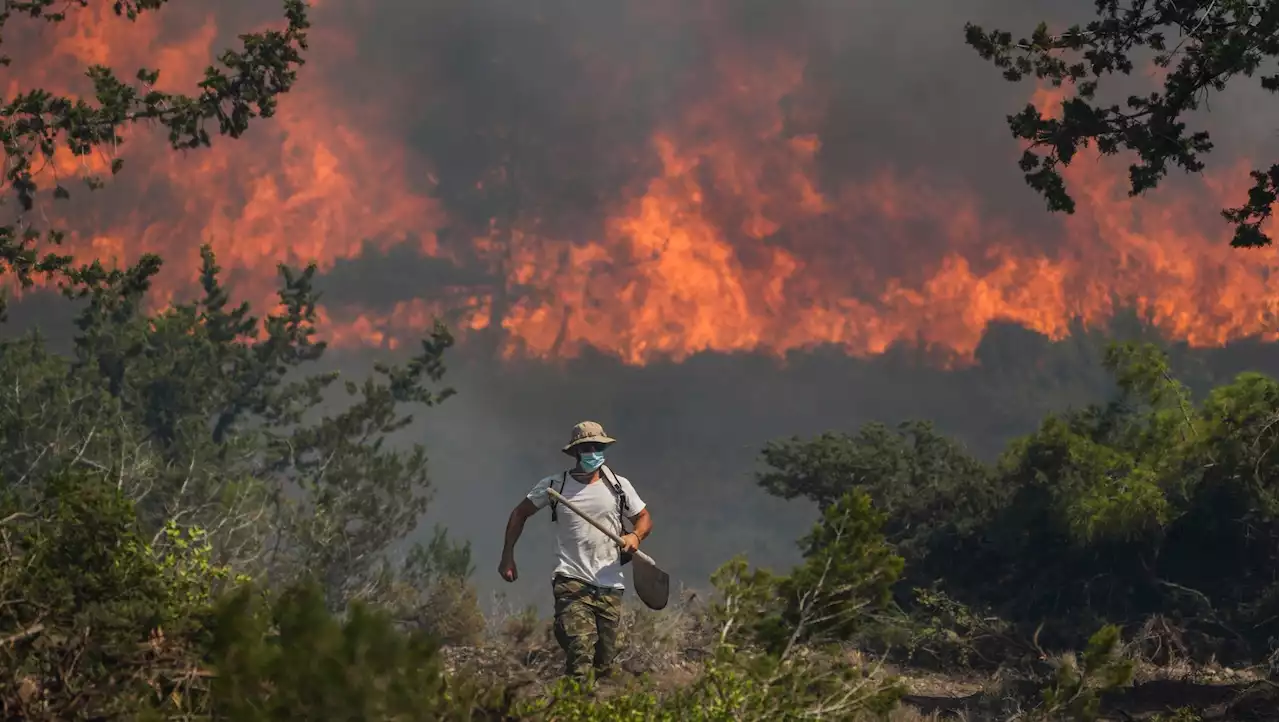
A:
(608, 616)
(575, 625)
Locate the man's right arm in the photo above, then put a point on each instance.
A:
(532, 502)
(515, 526)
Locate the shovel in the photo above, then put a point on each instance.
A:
(653, 585)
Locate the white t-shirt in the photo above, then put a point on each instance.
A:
(584, 553)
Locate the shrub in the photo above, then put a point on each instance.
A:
(1110, 513)
(734, 686)
(848, 571)
(99, 624)
(1080, 680)
(290, 658)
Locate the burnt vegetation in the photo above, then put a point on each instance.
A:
(189, 534)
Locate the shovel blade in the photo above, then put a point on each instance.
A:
(653, 585)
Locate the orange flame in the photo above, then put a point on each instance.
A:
(303, 186)
(736, 243)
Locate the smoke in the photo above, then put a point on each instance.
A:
(690, 433)
(657, 179)
(634, 211)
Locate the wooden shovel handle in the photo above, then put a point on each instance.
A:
(616, 539)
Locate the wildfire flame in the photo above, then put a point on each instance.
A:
(735, 242)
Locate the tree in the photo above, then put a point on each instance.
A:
(35, 123)
(933, 492)
(204, 415)
(1218, 41)
(1145, 505)
(849, 570)
(1149, 504)
(172, 453)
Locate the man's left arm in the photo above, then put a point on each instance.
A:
(642, 524)
(641, 521)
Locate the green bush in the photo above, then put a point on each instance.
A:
(1146, 505)
(734, 686)
(847, 572)
(289, 658)
(101, 625)
(98, 623)
(1081, 679)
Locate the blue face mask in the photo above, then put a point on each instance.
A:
(589, 461)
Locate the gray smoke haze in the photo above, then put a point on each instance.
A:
(690, 433)
(542, 113)
(581, 88)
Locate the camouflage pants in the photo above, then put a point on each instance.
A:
(586, 625)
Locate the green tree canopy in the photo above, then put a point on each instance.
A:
(1150, 504)
(932, 491)
(204, 415)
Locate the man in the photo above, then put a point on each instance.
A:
(587, 583)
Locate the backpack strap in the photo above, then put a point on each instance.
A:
(611, 481)
(563, 479)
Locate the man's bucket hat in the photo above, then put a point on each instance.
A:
(587, 432)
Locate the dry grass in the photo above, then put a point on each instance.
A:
(673, 639)
(1160, 653)
(907, 713)
(519, 646)
(665, 650)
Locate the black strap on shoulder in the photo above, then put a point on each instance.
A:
(611, 481)
(563, 479)
(624, 558)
